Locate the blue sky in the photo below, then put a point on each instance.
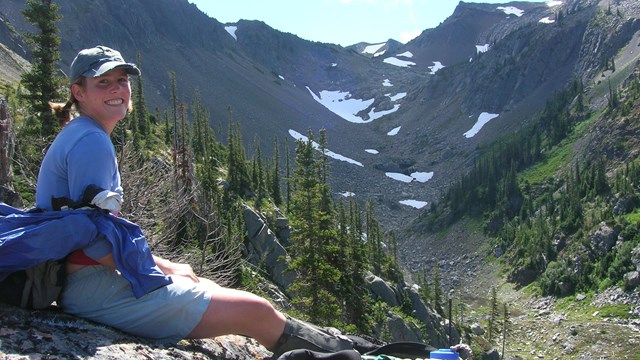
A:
(343, 22)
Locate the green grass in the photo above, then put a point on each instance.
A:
(616, 311)
(560, 155)
(616, 78)
(633, 218)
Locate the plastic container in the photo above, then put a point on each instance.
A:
(444, 354)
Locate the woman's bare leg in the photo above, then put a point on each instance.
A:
(239, 312)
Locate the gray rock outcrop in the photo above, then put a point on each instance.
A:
(265, 250)
(381, 290)
(52, 334)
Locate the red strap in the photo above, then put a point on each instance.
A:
(78, 257)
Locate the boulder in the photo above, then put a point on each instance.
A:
(381, 290)
(477, 329)
(400, 329)
(265, 251)
(428, 316)
(603, 239)
(631, 279)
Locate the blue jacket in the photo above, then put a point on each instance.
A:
(29, 238)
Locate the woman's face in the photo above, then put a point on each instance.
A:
(105, 98)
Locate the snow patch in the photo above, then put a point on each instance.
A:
(406, 54)
(422, 177)
(414, 203)
(373, 49)
(296, 135)
(231, 29)
(482, 48)
(484, 118)
(397, 62)
(400, 177)
(397, 96)
(511, 10)
(394, 131)
(437, 65)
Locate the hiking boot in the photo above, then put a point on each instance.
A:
(301, 335)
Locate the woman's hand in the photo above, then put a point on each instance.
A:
(170, 268)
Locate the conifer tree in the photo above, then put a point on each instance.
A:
(199, 127)
(238, 172)
(357, 298)
(258, 176)
(276, 193)
(184, 159)
(313, 244)
(167, 127)
(140, 126)
(41, 82)
(374, 240)
(424, 288)
(506, 327)
(287, 173)
(493, 315)
(438, 295)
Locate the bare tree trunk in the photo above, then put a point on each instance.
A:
(7, 144)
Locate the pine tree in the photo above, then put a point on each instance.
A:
(438, 295)
(140, 124)
(313, 245)
(287, 174)
(423, 283)
(304, 220)
(184, 150)
(199, 127)
(276, 193)
(493, 315)
(258, 175)
(174, 112)
(238, 172)
(167, 127)
(358, 302)
(41, 82)
(506, 327)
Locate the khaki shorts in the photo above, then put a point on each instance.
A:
(101, 294)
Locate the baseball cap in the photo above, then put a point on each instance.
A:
(96, 61)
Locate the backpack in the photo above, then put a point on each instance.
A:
(34, 288)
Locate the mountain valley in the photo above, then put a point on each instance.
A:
(404, 122)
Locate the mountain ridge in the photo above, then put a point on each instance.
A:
(490, 84)
(266, 80)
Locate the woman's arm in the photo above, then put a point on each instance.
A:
(178, 269)
(167, 267)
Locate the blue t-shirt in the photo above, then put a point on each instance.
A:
(81, 154)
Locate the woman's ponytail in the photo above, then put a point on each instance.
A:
(62, 111)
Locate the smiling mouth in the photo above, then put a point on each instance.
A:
(114, 102)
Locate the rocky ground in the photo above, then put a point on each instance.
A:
(583, 326)
(604, 326)
(51, 334)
